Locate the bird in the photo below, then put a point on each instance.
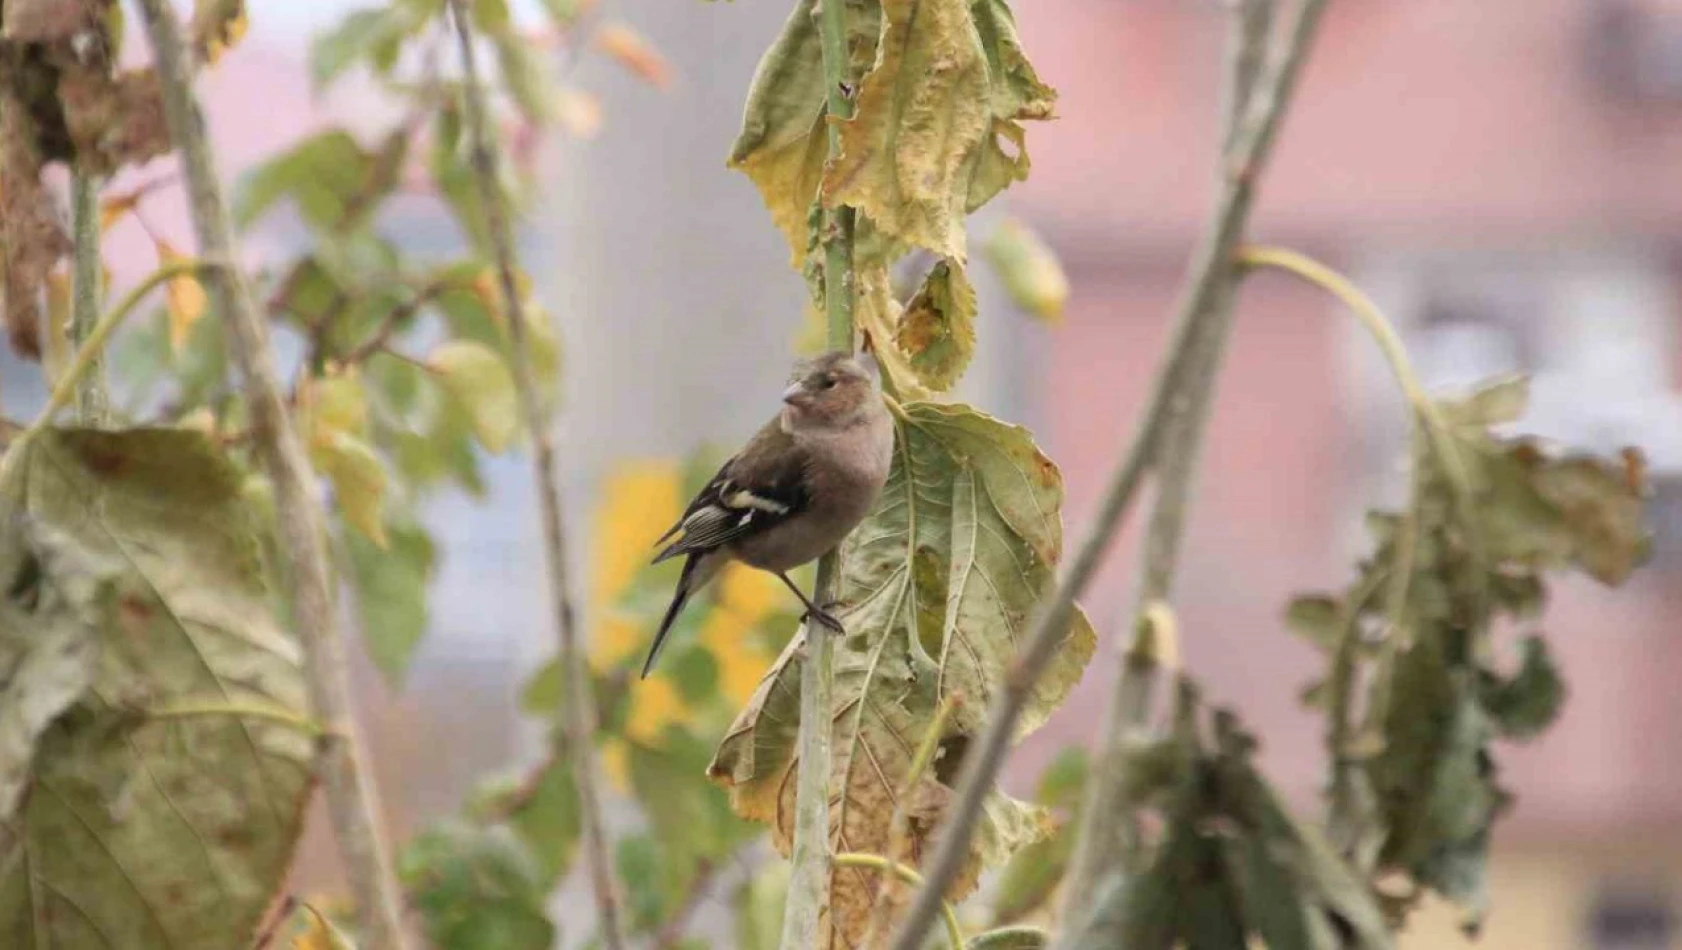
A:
(793, 493)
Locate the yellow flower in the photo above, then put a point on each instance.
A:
(655, 704)
(639, 502)
(745, 597)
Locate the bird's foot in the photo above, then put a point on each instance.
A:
(823, 616)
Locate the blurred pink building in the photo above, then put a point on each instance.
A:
(1506, 179)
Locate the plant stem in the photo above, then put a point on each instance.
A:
(348, 783)
(578, 717)
(1107, 828)
(89, 349)
(954, 930)
(93, 402)
(986, 754)
(808, 889)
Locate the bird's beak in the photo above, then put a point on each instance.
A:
(792, 394)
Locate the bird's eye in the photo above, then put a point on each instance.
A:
(828, 382)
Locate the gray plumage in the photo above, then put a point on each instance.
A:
(794, 492)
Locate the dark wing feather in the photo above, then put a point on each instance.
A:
(761, 487)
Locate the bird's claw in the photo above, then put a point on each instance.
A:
(824, 617)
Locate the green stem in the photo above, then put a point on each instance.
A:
(849, 859)
(93, 403)
(238, 710)
(88, 351)
(1430, 433)
(809, 881)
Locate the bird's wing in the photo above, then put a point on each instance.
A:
(761, 487)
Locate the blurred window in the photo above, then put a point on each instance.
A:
(1632, 917)
(1634, 49)
(1596, 330)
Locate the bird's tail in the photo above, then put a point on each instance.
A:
(697, 571)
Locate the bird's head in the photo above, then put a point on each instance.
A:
(832, 391)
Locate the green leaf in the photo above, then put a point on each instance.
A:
(637, 859)
(523, 76)
(322, 175)
(938, 586)
(163, 832)
(1528, 702)
(542, 693)
(390, 586)
(1317, 619)
(543, 812)
(491, 16)
(1234, 868)
(1064, 780)
(476, 888)
(358, 478)
(1016, 91)
(56, 603)
(1010, 938)
(937, 329)
(921, 114)
(373, 37)
(1493, 403)
(479, 379)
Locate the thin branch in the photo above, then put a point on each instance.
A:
(986, 753)
(670, 934)
(578, 725)
(347, 781)
(808, 890)
(93, 400)
(1107, 828)
(394, 321)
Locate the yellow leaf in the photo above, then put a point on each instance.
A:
(358, 478)
(117, 207)
(634, 52)
(1028, 269)
(57, 351)
(479, 379)
(312, 931)
(201, 419)
(877, 314)
(578, 111)
(937, 330)
(184, 297)
(335, 404)
(218, 26)
(921, 115)
(782, 144)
